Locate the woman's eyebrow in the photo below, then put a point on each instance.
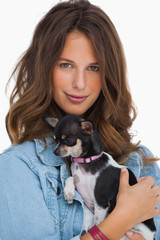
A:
(94, 63)
(68, 60)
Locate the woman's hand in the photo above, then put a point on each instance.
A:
(138, 201)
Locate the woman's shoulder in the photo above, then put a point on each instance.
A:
(17, 156)
(34, 153)
(151, 168)
(145, 152)
(29, 149)
(23, 151)
(142, 168)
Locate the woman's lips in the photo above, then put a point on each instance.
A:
(75, 98)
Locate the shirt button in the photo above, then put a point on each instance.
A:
(58, 190)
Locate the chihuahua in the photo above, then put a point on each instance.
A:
(95, 174)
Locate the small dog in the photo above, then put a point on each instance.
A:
(95, 174)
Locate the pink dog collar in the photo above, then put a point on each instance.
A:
(86, 160)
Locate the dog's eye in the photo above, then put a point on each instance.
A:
(70, 141)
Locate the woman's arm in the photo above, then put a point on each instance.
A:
(23, 212)
(134, 204)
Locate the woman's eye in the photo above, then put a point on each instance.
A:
(93, 68)
(65, 65)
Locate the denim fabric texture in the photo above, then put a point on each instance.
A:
(32, 206)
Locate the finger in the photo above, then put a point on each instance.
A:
(134, 236)
(156, 212)
(156, 190)
(141, 179)
(157, 200)
(150, 180)
(158, 197)
(124, 178)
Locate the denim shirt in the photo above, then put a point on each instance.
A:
(32, 206)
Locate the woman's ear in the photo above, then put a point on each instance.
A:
(87, 127)
(50, 120)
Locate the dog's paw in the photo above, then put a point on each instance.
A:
(69, 197)
(69, 190)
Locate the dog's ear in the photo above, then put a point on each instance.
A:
(87, 127)
(50, 120)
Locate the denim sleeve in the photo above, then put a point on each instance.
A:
(154, 171)
(76, 238)
(23, 212)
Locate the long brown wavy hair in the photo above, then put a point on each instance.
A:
(112, 114)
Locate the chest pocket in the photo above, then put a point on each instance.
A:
(55, 201)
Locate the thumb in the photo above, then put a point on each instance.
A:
(124, 178)
(134, 236)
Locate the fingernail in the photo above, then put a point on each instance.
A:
(123, 169)
(129, 233)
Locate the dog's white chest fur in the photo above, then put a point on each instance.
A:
(84, 183)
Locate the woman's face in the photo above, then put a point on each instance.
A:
(76, 76)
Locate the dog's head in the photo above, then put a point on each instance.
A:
(73, 135)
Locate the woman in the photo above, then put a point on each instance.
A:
(74, 65)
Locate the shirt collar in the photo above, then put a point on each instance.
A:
(46, 154)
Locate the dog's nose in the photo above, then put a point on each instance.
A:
(56, 151)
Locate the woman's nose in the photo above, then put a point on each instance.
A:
(79, 80)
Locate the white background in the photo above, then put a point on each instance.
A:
(138, 25)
